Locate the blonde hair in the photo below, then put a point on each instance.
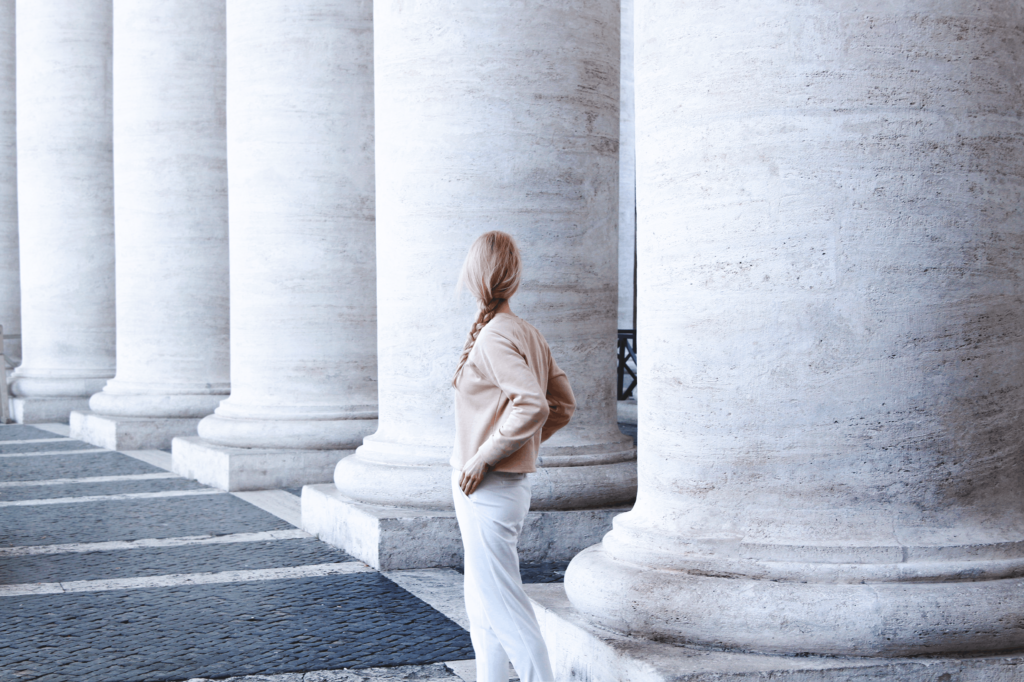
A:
(492, 272)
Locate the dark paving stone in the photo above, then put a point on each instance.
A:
(128, 563)
(31, 446)
(543, 572)
(216, 631)
(49, 467)
(23, 432)
(43, 492)
(165, 517)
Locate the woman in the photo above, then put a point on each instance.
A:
(510, 397)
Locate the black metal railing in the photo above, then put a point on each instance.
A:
(627, 363)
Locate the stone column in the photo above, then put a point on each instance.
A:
(303, 322)
(65, 206)
(626, 409)
(831, 298)
(627, 170)
(10, 287)
(171, 209)
(495, 115)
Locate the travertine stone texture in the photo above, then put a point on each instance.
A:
(831, 297)
(300, 139)
(627, 169)
(65, 199)
(394, 539)
(251, 468)
(10, 286)
(128, 433)
(170, 165)
(584, 653)
(497, 115)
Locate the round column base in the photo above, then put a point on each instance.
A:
(768, 616)
(293, 433)
(52, 384)
(158, 402)
(376, 475)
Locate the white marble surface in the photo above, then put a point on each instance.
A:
(10, 282)
(303, 313)
(832, 332)
(65, 204)
(393, 538)
(280, 503)
(506, 119)
(251, 468)
(627, 169)
(584, 653)
(171, 210)
(129, 433)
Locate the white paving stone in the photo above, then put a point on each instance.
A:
(185, 579)
(111, 498)
(280, 503)
(149, 543)
(55, 452)
(88, 479)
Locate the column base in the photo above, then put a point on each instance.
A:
(585, 653)
(252, 468)
(129, 433)
(40, 410)
(392, 538)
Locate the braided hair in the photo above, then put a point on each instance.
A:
(492, 272)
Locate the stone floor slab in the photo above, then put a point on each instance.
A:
(217, 631)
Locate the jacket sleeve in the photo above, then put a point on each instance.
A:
(561, 401)
(503, 364)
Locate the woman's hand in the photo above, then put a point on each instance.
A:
(472, 474)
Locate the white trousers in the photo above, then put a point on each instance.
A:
(502, 624)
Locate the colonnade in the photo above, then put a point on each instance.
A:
(65, 206)
(303, 282)
(171, 225)
(451, 100)
(830, 292)
(10, 284)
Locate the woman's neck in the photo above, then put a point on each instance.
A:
(504, 308)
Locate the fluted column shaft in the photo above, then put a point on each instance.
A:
(171, 210)
(65, 197)
(10, 286)
(300, 134)
(497, 115)
(833, 358)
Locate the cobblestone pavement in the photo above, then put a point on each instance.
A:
(114, 570)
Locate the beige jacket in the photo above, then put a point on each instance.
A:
(510, 397)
